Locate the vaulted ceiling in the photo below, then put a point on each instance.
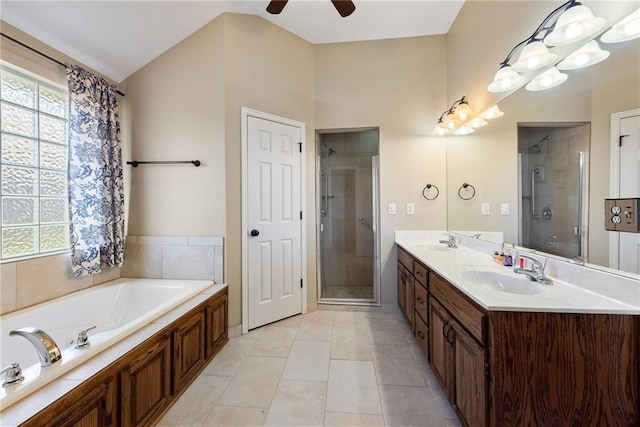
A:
(117, 38)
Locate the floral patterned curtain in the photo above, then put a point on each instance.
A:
(96, 191)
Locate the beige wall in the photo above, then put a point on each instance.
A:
(589, 95)
(177, 105)
(395, 85)
(271, 70)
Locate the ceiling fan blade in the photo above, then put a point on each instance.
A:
(344, 7)
(276, 6)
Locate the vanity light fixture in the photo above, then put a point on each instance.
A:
(492, 113)
(587, 55)
(627, 29)
(550, 78)
(569, 23)
(534, 56)
(576, 23)
(459, 119)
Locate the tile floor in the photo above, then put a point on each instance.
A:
(331, 368)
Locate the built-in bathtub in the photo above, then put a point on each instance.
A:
(117, 309)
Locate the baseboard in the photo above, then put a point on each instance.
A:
(235, 331)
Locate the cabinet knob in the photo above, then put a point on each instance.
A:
(420, 335)
(254, 233)
(420, 301)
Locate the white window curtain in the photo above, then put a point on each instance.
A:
(96, 191)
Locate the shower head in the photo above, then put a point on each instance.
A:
(536, 148)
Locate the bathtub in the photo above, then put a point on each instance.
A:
(116, 308)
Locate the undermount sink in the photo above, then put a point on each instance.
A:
(502, 282)
(431, 247)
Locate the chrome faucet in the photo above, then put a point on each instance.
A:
(46, 347)
(450, 242)
(536, 273)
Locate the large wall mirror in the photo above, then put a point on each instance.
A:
(555, 132)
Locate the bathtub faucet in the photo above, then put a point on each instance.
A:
(46, 347)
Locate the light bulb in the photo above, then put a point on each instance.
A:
(464, 130)
(573, 31)
(581, 59)
(478, 122)
(632, 28)
(626, 29)
(492, 113)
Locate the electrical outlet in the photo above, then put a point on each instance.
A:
(504, 209)
(486, 209)
(392, 208)
(410, 208)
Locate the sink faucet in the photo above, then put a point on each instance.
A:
(46, 347)
(450, 242)
(537, 273)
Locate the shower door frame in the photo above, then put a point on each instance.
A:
(375, 202)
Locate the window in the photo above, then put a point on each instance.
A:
(33, 165)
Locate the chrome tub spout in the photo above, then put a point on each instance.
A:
(46, 347)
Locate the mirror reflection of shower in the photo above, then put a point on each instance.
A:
(553, 174)
(347, 192)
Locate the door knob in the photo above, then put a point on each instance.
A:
(254, 233)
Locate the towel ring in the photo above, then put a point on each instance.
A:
(427, 188)
(464, 187)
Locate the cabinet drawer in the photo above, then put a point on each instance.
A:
(420, 273)
(405, 259)
(422, 335)
(421, 301)
(470, 316)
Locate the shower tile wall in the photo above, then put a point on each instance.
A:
(347, 268)
(557, 186)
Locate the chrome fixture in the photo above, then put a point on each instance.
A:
(450, 242)
(46, 347)
(13, 375)
(476, 236)
(82, 340)
(530, 60)
(536, 273)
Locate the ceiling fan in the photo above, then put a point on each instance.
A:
(344, 7)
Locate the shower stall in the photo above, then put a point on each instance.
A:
(347, 216)
(553, 174)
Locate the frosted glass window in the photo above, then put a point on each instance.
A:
(20, 151)
(33, 165)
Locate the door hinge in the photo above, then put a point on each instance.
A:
(620, 140)
(300, 214)
(486, 368)
(301, 283)
(300, 146)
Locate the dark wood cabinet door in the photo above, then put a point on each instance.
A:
(410, 300)
(402, 273)
(94, 404)
(146, 383)
(216, 326)
(439, 346)
(188, 350)
(470, 379)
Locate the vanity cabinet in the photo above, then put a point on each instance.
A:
(458, 350)
(521, 368)
(139, 387)
(406, 285)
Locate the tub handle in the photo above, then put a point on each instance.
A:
(82, 340)
(13, 374)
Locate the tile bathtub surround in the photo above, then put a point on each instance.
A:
(326, 368)
(32, 281)
(174, 257)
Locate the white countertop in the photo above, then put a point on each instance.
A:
(560, 297)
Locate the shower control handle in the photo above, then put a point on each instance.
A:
(254, 233)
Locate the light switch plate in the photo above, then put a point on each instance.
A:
(504, 209)
(392, 208)
(410, 208)
(486, 209)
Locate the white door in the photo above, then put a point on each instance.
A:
(629, 249)
(274, 222)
